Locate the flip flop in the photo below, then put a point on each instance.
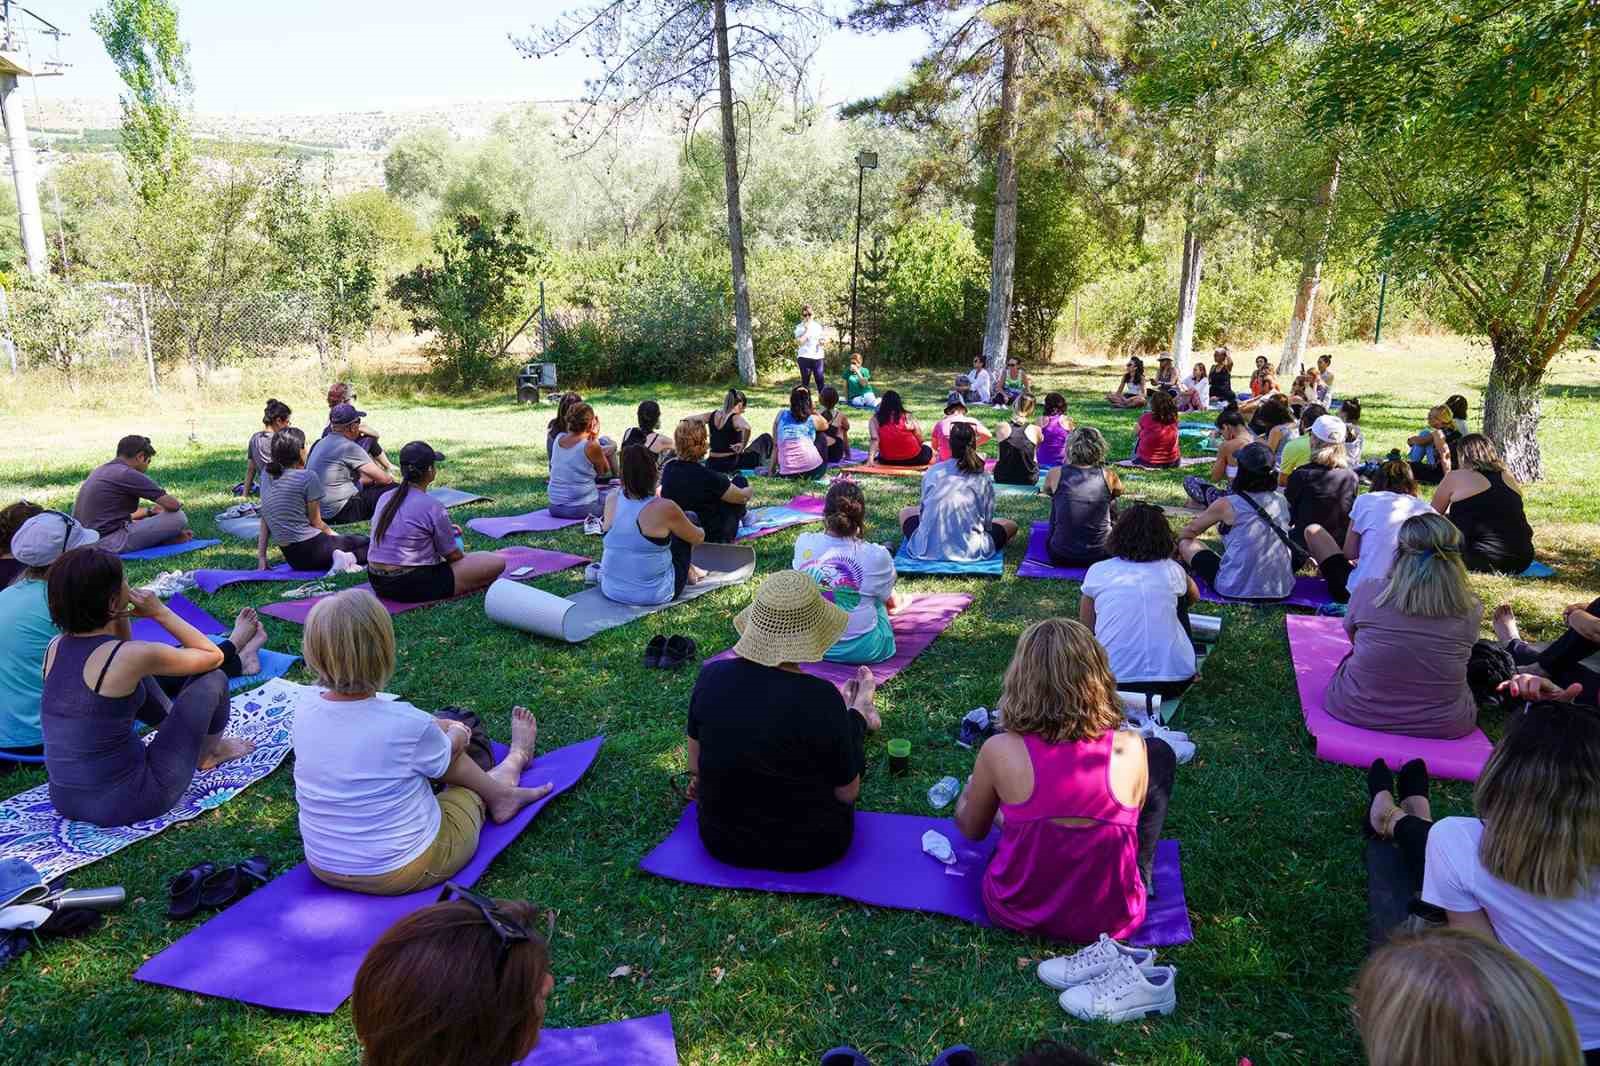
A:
(231, 883)
(679, 651)
(653, 651)
(183, 894)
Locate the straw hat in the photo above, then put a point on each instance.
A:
(789, 622)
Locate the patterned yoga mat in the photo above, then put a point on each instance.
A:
(30, 828)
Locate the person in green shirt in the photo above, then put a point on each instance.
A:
(858, 385)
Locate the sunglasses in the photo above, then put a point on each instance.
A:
(507, 929)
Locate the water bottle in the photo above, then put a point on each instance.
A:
(942, 793)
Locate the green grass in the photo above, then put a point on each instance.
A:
(1271, 851)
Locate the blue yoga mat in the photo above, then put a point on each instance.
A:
(1001, 488)
(1537, 569)
(993, 566)
(273, 664)
(162, 551)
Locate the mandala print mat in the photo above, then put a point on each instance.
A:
(30, 828)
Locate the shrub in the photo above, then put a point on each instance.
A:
(936, 294)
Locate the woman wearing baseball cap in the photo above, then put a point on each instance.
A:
(416, 553)
(1257, 562)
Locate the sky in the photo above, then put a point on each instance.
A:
(320, 56)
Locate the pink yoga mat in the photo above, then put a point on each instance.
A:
(806, 509)
(296, 944)
(889, 470)
(916, 627)
(1316, 647)
(1308, 591)
(885, 867)
(632, 1042)
(543, 562)
(540, 521)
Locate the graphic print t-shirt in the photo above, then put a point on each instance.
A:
(856, 574)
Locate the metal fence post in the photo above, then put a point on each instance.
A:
(149, 353)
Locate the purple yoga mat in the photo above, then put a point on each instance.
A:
(633, 1042)
(1308, 591)
(885, 867)
(151, 630)
(543, 562)
(1316, 647)
(915, 627)
(540, 521)
(296, 944)
(209, 581)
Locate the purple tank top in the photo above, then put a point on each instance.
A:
(1068, 882)
(1053, 441)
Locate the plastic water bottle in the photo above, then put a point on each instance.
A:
(942, 793)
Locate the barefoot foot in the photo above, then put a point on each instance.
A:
(696, 575)
(524, 735)
(244, 627)
(218, 750)
(1382, 815)
(505, 806)
(1505, 623)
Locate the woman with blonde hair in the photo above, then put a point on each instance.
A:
(1485, 502)
(1083, 497)
(1433, 450)
(1447, 997)
(718, 501)
(1080, 801)
(364, 766)
(1019, 445)
(1526, 870)
(1411, 637)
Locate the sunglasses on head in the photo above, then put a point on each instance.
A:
(507, 929)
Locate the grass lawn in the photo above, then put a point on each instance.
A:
(1271, 849)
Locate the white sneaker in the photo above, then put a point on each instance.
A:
(1064, 971)
(1180, 743)
(1124, 992)
(593, 526)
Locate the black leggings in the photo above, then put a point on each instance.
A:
(757, 453)
(1411, 837)
(1163, 772)
(1563, 659)
(922, 458)
(1336, 571)
(681, 552)
(317, 552)
(359, 507)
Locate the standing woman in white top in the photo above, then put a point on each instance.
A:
(808, 345)
(1137, 602)
(364, 766)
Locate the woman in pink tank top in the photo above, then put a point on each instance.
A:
(1079, 801)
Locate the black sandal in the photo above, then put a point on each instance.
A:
(654, 650)
(679, 651)
(232, 883)
(183, 894)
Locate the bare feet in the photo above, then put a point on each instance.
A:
(182, 538)
(524, 735)
(1505, 623)
(249, 636)
(696, 575)
(1383, 814)
(504, 806)
(220, 749)
(244, 627)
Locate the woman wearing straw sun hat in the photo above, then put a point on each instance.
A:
(775, 755)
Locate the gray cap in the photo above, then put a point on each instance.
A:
(46, 537)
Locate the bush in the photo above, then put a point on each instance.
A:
(937, 292)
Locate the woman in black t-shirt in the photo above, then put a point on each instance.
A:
(775, 755)
(718, 500)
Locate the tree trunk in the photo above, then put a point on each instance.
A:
(744, 338)
(1511, 408)
(1188, 294)
(1002, 271)
(1305, 297)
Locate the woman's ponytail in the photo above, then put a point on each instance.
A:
(964, 446)
(287, 444)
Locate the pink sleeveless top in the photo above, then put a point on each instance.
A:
(1068, 882)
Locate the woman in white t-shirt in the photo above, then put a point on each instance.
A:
(856, 574)
(1137, 602)
(1526, 871)
(364, 765)
(1368, 551)
(808, 348)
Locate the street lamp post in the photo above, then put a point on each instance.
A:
(865, 161)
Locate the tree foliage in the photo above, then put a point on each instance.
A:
(54, 324)
(141, 37)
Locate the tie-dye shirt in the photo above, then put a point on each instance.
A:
(857, 575)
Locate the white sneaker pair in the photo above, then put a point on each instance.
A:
(1150, 729)
(1110, 982)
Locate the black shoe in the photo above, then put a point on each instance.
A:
(234, 882)
(679, 651)
(654, 650)
(183, 894)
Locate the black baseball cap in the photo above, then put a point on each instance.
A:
(1256, 457)
(345, 413)
(419, 455)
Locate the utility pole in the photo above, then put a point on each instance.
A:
(865, 161)
(1383, 293)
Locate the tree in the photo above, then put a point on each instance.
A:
(141, 37)
(1475, 132)
(54, 324)
(652, 51)
(476, 301)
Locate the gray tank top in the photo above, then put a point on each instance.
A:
(1256, 564)
(572, 476)
(635, 568)
(1080, 514)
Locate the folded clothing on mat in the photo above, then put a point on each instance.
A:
(576, 618)
(296, 944)
(542, 561)
(1316, 647)
(209, 581)
(163, 551)
(993, 566)
(631, 1042)
(884, 868)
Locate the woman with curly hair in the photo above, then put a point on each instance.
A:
(1137, 604)
(1083, 800)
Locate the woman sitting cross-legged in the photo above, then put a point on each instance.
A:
(646, 433)
(1232, 434)
(1080, 801)
(1082, 501)
(1526, 870)
(857, 575)
(893, 436)
(1376, 518)
(1257, 562)
(1411, 637)
(578, 463)
(1019, 445)
(97, 680)
(834, 441)
(775, 755)
(1322, 490)
(732, 450)
(364, 766)
(1156, 439)
(1563, 663)
(1054, 429)
(717, 500)
(796, 430)
(415, 555)
(1132, 390)
(648, 541)
(1448, 997)
(955, 521)
(461, 982)
(1485, 502)
(1137, 603)
(291, 511)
